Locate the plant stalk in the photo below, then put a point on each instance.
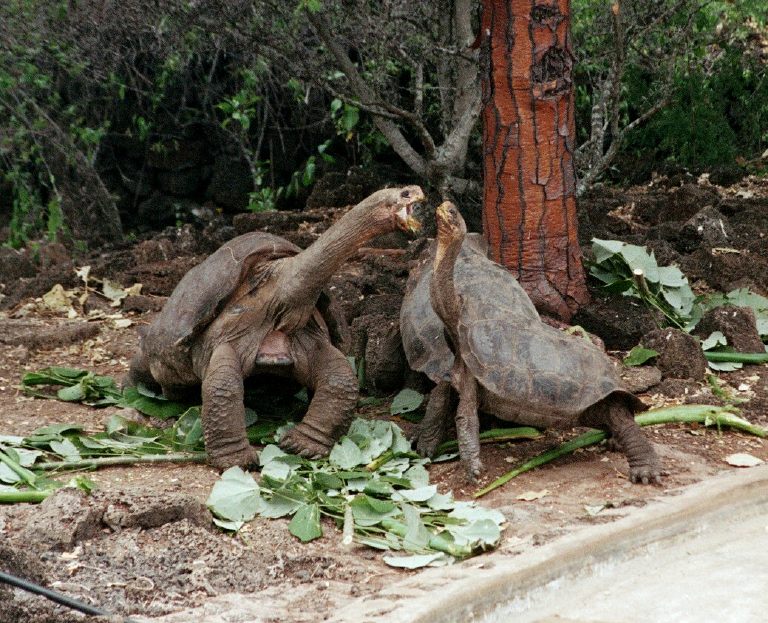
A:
(435, 543)
(17, 497)
(494, 435)
(104, 461)
(708, 415)
(736, 357)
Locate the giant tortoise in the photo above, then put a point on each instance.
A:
(507, 361)
(256, 306)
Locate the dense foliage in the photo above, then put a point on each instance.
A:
(260, 84)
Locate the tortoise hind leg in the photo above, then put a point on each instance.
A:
(615, 416)
(325, 370)
(431, 431)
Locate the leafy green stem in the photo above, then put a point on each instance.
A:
(174, 457)
(704, 414)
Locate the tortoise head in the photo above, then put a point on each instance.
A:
(394, 206)
(450, 224)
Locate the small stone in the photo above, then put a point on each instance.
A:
(680, 354)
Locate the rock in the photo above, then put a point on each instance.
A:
(181, 182)
(638, 379)
(230, 184)
(69, 515)
(15, 265)
(737, 324)
(177, 154)
(680, 354)
(141, 304)
(376, 342)
(156, 250)
(708, 227)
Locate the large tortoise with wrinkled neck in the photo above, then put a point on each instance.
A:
(255, 306)
(468, 324)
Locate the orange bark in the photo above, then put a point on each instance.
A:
(529, 205)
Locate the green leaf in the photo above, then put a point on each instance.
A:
(638, 257)
(379, 488)
(324, 482)
(66, 449)
(406, 401)
(639, 355)
(281, 503)
(416, 536)
(417, 475)
(366, 514)
(154, 407)
(672, 276)
(416, 561)
(346, 454)
(73, 393)
(604, 249)
(716, 338)
(306, 523)
(484, 533)
(350, 117)
(725, 366)
(188, 430)
(422, 494)
(235, 496)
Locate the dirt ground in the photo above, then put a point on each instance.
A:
(143, 544)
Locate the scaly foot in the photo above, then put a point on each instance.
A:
(307, 442)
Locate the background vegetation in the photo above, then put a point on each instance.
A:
(106, 108)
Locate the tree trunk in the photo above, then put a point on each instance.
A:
(529, 205)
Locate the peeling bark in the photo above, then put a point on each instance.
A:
(529, 205)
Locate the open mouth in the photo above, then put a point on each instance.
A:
(405, 217)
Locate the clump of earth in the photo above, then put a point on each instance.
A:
(144, 545)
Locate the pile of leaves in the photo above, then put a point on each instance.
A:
(373, 486)
(633, 271)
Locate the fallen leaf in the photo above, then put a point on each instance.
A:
(742, 459)
(123, 323)
(58, 299)
(529, 496)
(594, 510)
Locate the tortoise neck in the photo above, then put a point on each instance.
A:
(442, 289)
(308, 272)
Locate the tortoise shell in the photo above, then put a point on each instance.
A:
(204, 290)
(511, 353)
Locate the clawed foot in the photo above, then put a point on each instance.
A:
(244, 457)
(426, 440)
(646, 473)
(304, 441)
(474, 467)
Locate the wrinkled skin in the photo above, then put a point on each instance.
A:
(256, 306)
(482, 383)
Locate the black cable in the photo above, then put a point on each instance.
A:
(59, 598)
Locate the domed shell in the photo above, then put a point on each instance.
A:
(202, 292)
(515, 356)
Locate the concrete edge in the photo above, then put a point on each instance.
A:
(469, 590)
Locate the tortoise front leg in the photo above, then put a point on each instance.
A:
(431, 431)
(223, 415)
(467, 422)
(324, 369)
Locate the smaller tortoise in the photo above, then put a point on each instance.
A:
(256, 305)
(507, 362)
